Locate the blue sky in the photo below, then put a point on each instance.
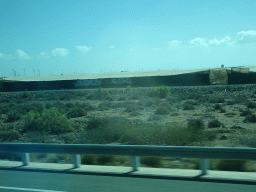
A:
(94, 36)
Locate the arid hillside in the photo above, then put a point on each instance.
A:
(214, 116)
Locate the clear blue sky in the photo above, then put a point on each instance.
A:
(84, 36)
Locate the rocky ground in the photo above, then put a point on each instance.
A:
(227, 112)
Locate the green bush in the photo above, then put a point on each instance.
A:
(132, 108)
(70, 105)
(88, 159)
(188, 107)
(250, 142)
(105, 159)
(26, 94)
(231, 165)
(162, 111)
(245, 113)
(77, 112)
(217, 106)
(250, 118)
(217, 100)
(151, 161)
(50, 121)
(214, 123)
(160, 92)
(10, 156)
(196, 125)
(177, 136)
(10, 135)
(86, 106)
(251, 105)
(196, 128)
(13, 116)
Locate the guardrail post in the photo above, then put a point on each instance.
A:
(76, 160)
(204, 165)
(25, 158)
(135, 161)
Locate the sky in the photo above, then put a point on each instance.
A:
(53, 37)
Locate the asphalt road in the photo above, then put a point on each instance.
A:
(55, 182)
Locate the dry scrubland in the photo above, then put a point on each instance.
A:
(212, 116)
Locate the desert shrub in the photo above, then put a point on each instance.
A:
(196, 128)
(147, 102)
(105, 159)
(177, 136)
(50, 121)
(245, 113)
(251, 105)
(209, 135)
(214, 123)
(203, 99)
(4, 110)
(10, 156)
(132, 108)
(88, 159)
(9, 135)
(174, 114)
(231, 165)
(151, 161)
(52, 96)
(250, 118)
(135, 114)
(240, 99)
(216, 100)
(13, 116)
(222, 110)
(196, 125)
(105, 105)
(48, 105)
(193, 96)
(162, 111)
(164, 92)
(135, 97)
(87, 106)
(52, 159)
(60, 107)
(188, 107)
(26, 94)
(65, 96)
(217, 106)
(230, 102)
(172, 99)
(160, 92)
(77, 112)
(121, 99)
(250, 142)
(39, 95)
(96, 123)
(70, 105)
(98, 95)
(38, 107)
(191, 103)
(154, 118)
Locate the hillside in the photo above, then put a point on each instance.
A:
(224, 114)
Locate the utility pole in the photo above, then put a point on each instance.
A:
(39, 72)
(24, 72)
(34, 71)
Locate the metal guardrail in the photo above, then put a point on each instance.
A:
(134, 151)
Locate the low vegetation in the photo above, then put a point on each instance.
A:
(50, 121)
(130, 116)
